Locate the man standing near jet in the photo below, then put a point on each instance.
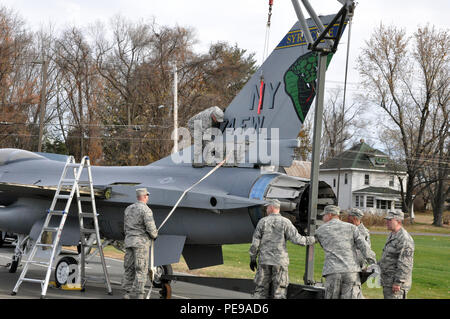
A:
(198, 124)
(354, 217)
(139, 229)
(339, 241)
(269, 243)
(396, 264)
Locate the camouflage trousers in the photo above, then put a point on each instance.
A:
(343, 286)
(271, 282)
(388, 294)
(136, 269)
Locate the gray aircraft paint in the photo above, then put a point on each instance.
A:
(198, 224)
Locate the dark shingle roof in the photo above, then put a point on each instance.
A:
(378, 190)
(358, 156)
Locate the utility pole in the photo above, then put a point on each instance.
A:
(175, 108)
(43, 100)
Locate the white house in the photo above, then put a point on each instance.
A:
(361, 177)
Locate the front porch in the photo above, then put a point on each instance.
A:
(377, 200)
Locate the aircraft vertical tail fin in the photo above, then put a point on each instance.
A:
(280, 94)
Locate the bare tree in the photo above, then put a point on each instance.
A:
(340, 124)
(82, 90)
(19, 79)
(109, 91)
(402, 78)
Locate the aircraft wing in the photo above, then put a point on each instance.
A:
(168, 196)
(125, 195)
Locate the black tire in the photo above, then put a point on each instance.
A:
(162, 270)
(14, 264)
(61, 270)
(79, 250)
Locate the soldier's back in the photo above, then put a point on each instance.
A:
(134, 227)
(205, 118)
(364, 231)
(337, 240)
(273, 241)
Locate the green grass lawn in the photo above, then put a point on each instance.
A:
(431, 274)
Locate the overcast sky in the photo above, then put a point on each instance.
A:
(240, 21)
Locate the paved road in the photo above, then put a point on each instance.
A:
(180, 290)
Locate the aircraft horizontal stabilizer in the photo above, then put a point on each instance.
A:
(165, 196)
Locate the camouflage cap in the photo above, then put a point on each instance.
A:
(273, 202)
(218, 113)
(395, 214)
(142, 191)
(330, 209)
(356, 212)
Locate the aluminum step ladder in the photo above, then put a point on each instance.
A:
(63, 185)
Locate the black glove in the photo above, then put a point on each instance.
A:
(253, 264)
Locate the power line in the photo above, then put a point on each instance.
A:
(423, 160)
(97, 137)
(92, 125)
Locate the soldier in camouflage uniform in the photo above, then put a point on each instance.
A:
(269, 243)
(139, 229)
(354, 217)
(339, 241)
(198, 124)
(396, 264)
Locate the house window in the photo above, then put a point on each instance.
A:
(359, 201)
(369, 201)
(391, 181)
(334, 182)
(389, 204)
(398, 205)
(381, 204)
(345, 178)
(366, 179)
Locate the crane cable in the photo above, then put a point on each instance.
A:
(346, 62)
(266, 39)
(265, 52)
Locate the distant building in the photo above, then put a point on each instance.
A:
(362, 177)
(300, 169)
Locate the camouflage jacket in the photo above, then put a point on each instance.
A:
(366, 235)
(396, 264)
(340, 240)
(139, 225)
(203, 118)
(269, 240)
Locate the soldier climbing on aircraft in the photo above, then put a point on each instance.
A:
(198, 124)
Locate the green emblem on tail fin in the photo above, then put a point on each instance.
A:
(300, 82)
